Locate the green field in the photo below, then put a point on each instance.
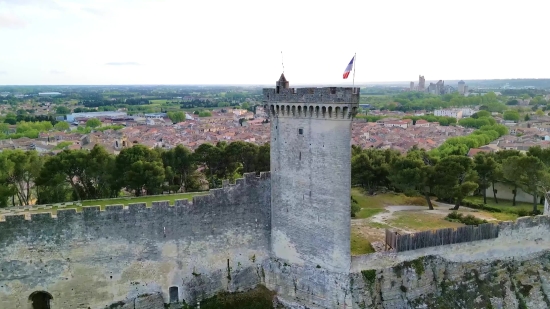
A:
(158, 102)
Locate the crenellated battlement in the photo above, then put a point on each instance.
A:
(322, 95)
(179, 208)
(321, 103)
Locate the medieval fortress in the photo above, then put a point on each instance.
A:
(288, 230)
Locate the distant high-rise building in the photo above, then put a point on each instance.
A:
(437, 88)
(465, 89)
(411, 88)
(440, 87)
(421, 83)
(461, 86)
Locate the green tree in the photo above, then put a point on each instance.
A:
(511, 169)
(68, 163)
(91, 175)
(486, 168)
(181, 164)
(176, 117)
(526, 118)
(533, 176)
(140, 170)
(205, 114)
(264, 158)
(99, 181)
(4, 127)
(144, 176)
(413, 173)
(481, 114)
(62, 110)
(371, 168)
(215, 162)
(511, 115)
(62, 126)
(456, 178)
(93, 123)
(542, 153)
(242, 156)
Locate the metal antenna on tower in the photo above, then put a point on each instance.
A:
(282, 62)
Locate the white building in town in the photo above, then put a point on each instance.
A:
(455, 113)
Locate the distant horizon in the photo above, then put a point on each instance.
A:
(342, 84)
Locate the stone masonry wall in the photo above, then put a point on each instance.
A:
(90, 259)
(311, 180)
(310, 191)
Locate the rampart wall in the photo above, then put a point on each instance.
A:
(524, 236)
(92, 258)
(510, 271)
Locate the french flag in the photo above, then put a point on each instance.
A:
(348, 68)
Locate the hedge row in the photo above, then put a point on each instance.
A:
(480, 206)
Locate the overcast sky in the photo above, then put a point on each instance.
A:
(240, 42)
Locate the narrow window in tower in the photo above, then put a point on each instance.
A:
(300, 131)
(300, 157)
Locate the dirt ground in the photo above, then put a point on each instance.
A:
(409, 219)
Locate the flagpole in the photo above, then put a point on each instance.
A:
(354, 61)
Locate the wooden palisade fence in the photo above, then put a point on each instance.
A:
(441, 237)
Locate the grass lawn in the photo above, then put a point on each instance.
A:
(360, 245)
(504, 205)
(421, 221)
(124, 201)
(142, 199)
(368, 212)
(502, 216)
(374, 204)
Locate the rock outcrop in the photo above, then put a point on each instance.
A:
(435, 282)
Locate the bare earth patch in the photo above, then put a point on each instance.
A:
(410, 219)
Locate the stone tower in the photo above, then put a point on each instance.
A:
(311, 173)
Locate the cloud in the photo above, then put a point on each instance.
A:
(56, 72)
(122, 63)
(93, 11)
(3, 72)
(12, 22)
(41, 3)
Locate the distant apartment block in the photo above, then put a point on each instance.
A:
(449, 113)
(467, 112)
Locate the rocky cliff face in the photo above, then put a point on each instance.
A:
(435, 282)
